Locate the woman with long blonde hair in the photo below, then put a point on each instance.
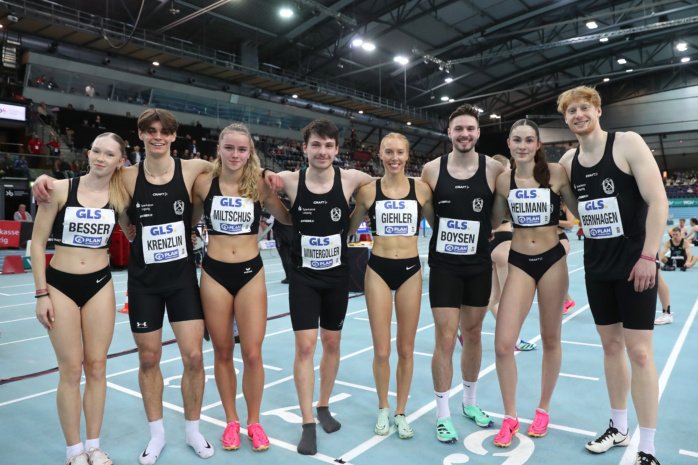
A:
(75, 293)
(232, 276)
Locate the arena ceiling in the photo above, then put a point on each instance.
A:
(509, 57)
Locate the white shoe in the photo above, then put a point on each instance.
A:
(98, 457)
(79, 459)
(664, 319)
(611, 438)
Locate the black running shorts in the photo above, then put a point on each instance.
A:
(617, 302)
(147, 310)
(447, 290)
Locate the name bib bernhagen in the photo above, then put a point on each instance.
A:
(164, 242)
(600, 218)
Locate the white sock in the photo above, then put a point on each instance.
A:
(197, 441)
(620, 420)
(72, 451)
(646, 440)
(157, 441)
(92, 444)
(442, 409)
(469, 388)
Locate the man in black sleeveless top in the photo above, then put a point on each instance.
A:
(460, 279)
(622, 209)
(319, 272)
(680, 252)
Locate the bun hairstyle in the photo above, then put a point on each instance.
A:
(247, 187)
(541, 173)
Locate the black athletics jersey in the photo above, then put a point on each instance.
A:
(462, 211)
(161, 255)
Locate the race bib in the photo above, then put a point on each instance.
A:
(396, 217)
(530, 207)
(232, 215)
(88, 227)
(164, 243)
(600, 218)
(457, 237)
(321, 253)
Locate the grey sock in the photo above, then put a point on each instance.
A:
(329, 424)
(308, 444)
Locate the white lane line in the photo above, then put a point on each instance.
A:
(486, 333)
(375, 440)
(358, 311)
(688, 452)
(275, 295)
(631, 451)
(8, 295)
(579, 377)
(18, 305)
(575, 270)
(23, 340)
(27, 397)
(424, 354)
(21, 319)
(573, 253)
(279, 332)
(363, 388)
(552, 425)
(581, 343)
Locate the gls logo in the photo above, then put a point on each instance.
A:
(89, 214)
(158, 230)
(524, 194)
(594, 205)
(231, 202)
(395, 205)
(319, 241)
(162, 256)
(452, 224)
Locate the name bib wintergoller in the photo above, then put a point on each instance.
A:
(457, 237)
(164, 243)
(88, 227)
(530, 207)
(321, 253)
(600, 218)
(396, 217)
(232, 215)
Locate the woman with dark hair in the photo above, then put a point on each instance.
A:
(75, 293)
(532, 191)
(232, 276)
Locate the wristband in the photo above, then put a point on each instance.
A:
(645, 257)
(41, 295)
(41, 291)
(264, 172)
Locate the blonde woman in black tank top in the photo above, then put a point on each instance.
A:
(394, 265)
(75, 295)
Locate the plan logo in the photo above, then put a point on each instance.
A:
(396, 229)
(455, 248)
(87, 240)
(231, 228)
(601, 232)
(529, 219)
(320, 264)
(166, 256)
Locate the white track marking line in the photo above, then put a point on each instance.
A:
(688, 452)
(579, 377)
(631, 451)
(276, 295)
(279, 332)
(21, 319)
(23, 340)
(424, 354)
(27, 397)
(575, 270)
(581, 343)
(363, 388)
(552, 425)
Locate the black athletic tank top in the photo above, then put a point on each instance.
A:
(462, 210)
(320, 226)
(230, 215)
(676, 251)
(161, 255)
(533, 208)
(396, 217)
(78, 226)
(612, 215)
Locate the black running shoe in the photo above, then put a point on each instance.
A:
(646, 459)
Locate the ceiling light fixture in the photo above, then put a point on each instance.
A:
(402, 60)
(606, 79)
(155, 63)
(409, 124)
(622, 61)
(451, 100)
(629, 70)
(295, 96)
(603, 39)
(357, 42)
(685, 60)
(592, 25)
(361, 112)
(444, 99)
(448, 79)
(368, 46)
(681, 46)
(286, 12)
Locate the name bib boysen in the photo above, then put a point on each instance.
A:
(164, 243)
(457, 237)
(321, 253)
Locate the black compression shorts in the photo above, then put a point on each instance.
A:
(447, 290)
(147, 311)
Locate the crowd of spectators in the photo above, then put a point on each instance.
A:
(682, 184)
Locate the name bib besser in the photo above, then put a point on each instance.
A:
(396, 217)
(232, 215)
(530, 207)
(457, 237)
(321, 253)
(600, 218)
(88, 227)
(164, 243)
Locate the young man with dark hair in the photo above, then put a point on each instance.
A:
(623, 207)
(463, 182)
(319, 274)
(679, 252)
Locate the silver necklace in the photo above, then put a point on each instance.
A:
(84, 184)
(145, 165)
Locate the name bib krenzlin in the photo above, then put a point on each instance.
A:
(232, 215)
(600, 218)
(88, 227)
(457, 237)
(396, 217)
(321, 253)
(164, 243)
(530, 207)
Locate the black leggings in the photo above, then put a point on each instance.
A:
(537, 265)
(394, 271)
(80, 288)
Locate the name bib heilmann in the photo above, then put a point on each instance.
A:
(321, 253)
(164, 243)
(396, 217)
(530, 207)
(232, 215)
(88, 227)
(457, 237)
(600, 218)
